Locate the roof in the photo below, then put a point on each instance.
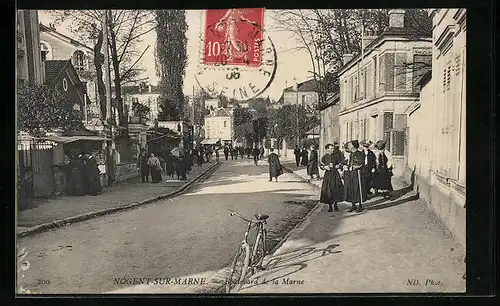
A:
(309, 85)
(221, 112)
(314, 131)
(53, 69)
(48, 29)
(425, 78)
(330, 101)
(281, 99)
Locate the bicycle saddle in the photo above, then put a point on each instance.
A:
(261, 217)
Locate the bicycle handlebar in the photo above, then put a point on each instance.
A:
(233, 213)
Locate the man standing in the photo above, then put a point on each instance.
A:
(261, 152)
(142, 164)
(312, 165)
(256, 153)
(369, 166)
(217, 153)
(297, 153)
(235, 153)
(275, 168)
(91, 171)
(226, 152)
(231, 151)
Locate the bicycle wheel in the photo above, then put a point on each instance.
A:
(239, 269)
(259, 250)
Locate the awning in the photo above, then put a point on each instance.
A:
(68, 139)
(210, 141)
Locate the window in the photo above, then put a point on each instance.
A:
(421, 64)
(44, 49)
(225, 122)
(400, 71)
(79, 60)
(303, 99)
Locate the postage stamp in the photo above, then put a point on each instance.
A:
(233, 36)
(237, 60)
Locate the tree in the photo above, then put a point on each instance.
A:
(125, 30)
(171, 61)
(41, 108)
(242, 122)
(285, 120)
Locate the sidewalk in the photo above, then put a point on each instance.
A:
(392, 246)
(122, 195)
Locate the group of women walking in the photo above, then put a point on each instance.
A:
(83, 175)
(350, 176)
(154, 164)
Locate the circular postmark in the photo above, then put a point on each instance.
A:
(238, 66)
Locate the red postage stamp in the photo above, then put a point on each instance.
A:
(233, 37)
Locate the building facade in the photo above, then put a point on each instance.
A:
(436, 133)
(57, 46)
(330, 128)
(304, 93)
(378, 85)
(219, 125)
(29, 66)
(146, 95)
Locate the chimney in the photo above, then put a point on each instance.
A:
(347, 57)
(149, 88)
(396, 18)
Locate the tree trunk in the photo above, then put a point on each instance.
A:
(100, 82)
(118, 95)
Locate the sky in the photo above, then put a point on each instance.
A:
(290, 65)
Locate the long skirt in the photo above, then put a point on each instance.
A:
(382, 179)
(75, 183)
(312, 169)
(332, 189)
(353, 192)
(155, 175)
(170, 168)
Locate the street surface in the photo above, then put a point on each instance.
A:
(191, 234)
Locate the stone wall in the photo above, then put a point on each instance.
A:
(126, 171)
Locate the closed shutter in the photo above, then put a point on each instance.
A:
(389, 71)
(400, 121)
(362, 84)
(401, 63)
(381, 76)
(388, 121)
(398, 141)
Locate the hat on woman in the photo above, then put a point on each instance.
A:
(355, 143)
(380, 144)
(346, 145)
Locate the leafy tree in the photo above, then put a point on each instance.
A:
(171, 61)
(140, 110)
(285, 122)
(41, 108)
(242, 122)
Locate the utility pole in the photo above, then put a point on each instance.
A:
(109, 118)
(298, 128)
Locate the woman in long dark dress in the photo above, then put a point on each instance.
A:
(305, 157)
(275, 168)
(345, 170)
(75, 181)
(354, 180)
(169, 160)
(92, 174)
(383, 174)
(332, 189)
(155, 166)
(181, 168)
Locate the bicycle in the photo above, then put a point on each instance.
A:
(253, 260)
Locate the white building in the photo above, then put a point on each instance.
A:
(212, 103)
(436, 134)
(304, 93)
(219, 125)
(378, 85)
(147, 95)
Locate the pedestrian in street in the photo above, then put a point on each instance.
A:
(242, 152)
(155, 168)
(261, 152)
(369, 166)
(231, 151)
(312, 165)
(181, 167)
(305, 157)
(256, 153)
(382, 178)
(249, 152)
(75, 180)
(91, 172)
(332, 188)
(297, 154)
(169, 161)
(226, 152)
(275, 168)
(235, 152)
(142, 164)
(217, 154)
(354, 182)
(200, 158)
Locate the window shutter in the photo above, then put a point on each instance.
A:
(400, 121)
(389, 72)
(398, 138)
(401, 62)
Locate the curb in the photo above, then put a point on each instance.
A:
(83, 217)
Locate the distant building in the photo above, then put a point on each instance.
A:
(376, 90)
(219, 125)
(30, 67)
(330, 128)
(147, 95)
(304, 94)
(212, 103)
(437, 124)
